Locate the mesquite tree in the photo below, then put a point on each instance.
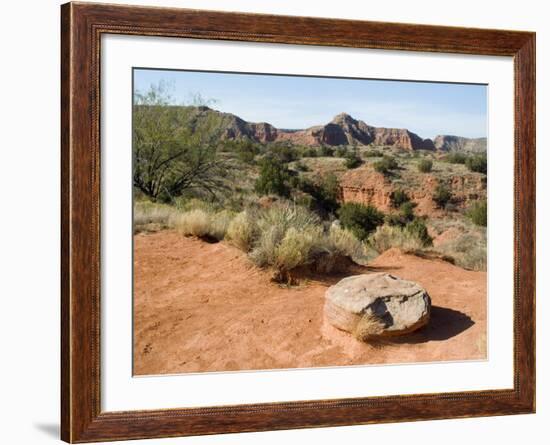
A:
(169, 156)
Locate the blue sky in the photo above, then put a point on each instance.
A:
(425, 108)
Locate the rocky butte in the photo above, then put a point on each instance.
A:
(343, 129)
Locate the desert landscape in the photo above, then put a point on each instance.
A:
(342, 243)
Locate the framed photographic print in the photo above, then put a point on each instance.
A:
(275, 222)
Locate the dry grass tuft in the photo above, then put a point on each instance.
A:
(369, 328)
(241, 231)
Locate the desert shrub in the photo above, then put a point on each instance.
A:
(478, 213)
(385, 165)
(417, 229)
(273, 178)
(403, 217)
(477, 163)
(469, 250)
(241, 231)
(146, 212)
(359, 219)
(185, 205)
(301, 167)
(219, 223)
(407, 210)
(442, 195)
(456, 158)
(324, 194)
(285, 216)
(385, 237)
(295, 249)
(398, 197)
(425, 165)
(193, 223)
(352, 160)
(373, 154)
(326, 151)
(283, 152)
(289, 236)
(345, 243)
(340, 152)
(310, 153)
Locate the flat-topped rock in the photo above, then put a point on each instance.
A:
(377, 305)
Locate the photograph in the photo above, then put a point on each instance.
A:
(295, 221)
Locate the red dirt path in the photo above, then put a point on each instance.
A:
(203, 307)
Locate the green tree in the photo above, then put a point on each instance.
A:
(361, 220)
(169, 158)
(273, 179)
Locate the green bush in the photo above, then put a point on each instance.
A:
(403, 217)
(352, 160)
(341, 152)
(442, 195)
(425, 165)
(373, 154)
(477, 163)
(417, 228)
(385, 165)
(326, 151)
(456, 158)
(323, 195)
(478, 213)
(359, 219)
(398, 197)
(273, 178)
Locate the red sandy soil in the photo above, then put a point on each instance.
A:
(204, 307)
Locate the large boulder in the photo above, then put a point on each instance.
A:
(377, 305)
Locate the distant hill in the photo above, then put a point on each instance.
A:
(458, 143)
(342, 130)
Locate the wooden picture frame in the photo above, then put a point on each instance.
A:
(82, 25)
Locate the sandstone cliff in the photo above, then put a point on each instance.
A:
(366, 186)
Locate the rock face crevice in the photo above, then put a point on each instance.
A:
(377, 305)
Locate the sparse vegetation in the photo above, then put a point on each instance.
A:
(425, 165)
(359, 219)
(399, 197)
(352, 160)
(477, 163)
(241, 231)
(478, 213)
(442, 195)
(385, 165)
(456, 157)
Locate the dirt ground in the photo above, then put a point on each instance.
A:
(203, 307)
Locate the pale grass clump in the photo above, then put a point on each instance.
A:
(193, 223)
(369, 328)
(241, 231)
(296, 248)
(386, 237)
(469, 250)
(149, 213)
(345, 243)
(265, 246)
(219, 224)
